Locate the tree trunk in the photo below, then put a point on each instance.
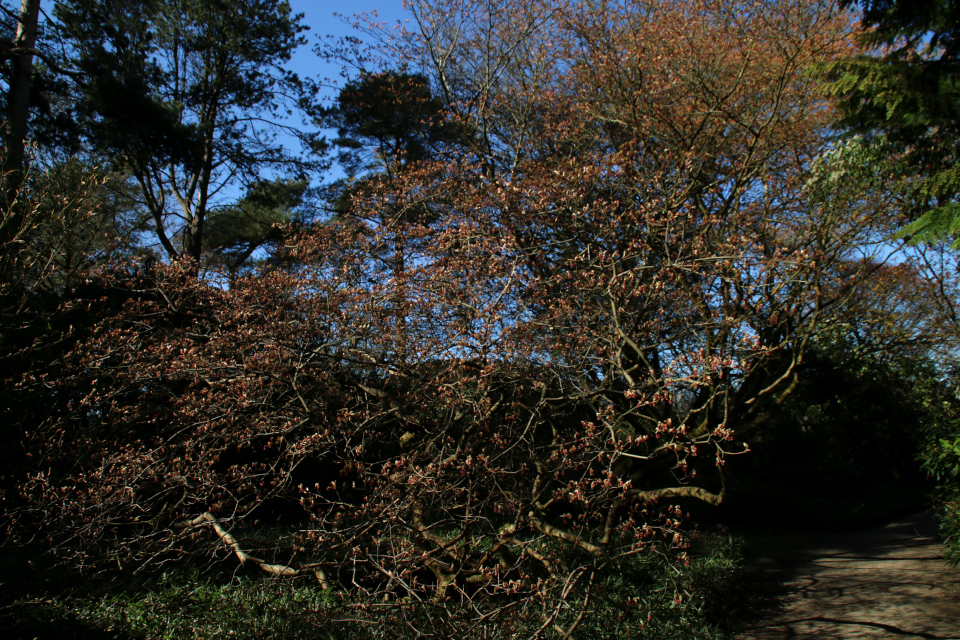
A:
(18, 99)
(12, 217)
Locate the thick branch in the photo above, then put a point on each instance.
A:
(712, 499)
(566, 536)
(245, 557)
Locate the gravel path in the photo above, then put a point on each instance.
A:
(887, 582)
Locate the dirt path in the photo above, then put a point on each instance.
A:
(887, 582)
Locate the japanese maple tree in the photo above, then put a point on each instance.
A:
(606, 282)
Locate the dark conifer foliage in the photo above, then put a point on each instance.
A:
(905, 97)
(393, 116)
(190, 98)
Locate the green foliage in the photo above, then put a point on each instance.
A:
(906, 101)
(941, 459)
(892, 21)
(644, 597)
(235, 232)
(190, 97)
(386, 122)
(387, 118)
(652, 599)
(185, 606)
(120, 107)
(90, 216)
(53, 118)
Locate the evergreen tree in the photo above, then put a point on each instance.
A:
(190, 97)
(905, 100)
(386, 122)
(236, 232)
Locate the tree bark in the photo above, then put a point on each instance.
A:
(18, 99)
(12, 217)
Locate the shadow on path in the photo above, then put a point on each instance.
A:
(885, 582)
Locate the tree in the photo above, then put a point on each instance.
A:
(70, 221)
(903, 97)
(387, 120)
(389, 123)
(90, 217)
(901, 105)
(621, 272)
(20, 52)
(189, 97)
(236, 232)
(841, 451)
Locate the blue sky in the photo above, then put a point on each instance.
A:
(319, 16)
(322, 18)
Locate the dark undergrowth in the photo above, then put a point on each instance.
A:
(774, 508)
(646, 598)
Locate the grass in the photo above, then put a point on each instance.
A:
(179, 606)
(644, 598)
(653, 599)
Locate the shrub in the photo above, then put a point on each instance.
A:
(941, 459)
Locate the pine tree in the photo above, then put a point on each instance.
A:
(189, 97)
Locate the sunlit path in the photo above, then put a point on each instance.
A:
(887, 582)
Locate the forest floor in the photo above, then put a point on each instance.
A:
(883, 582)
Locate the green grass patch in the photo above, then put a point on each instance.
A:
(644, 597)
